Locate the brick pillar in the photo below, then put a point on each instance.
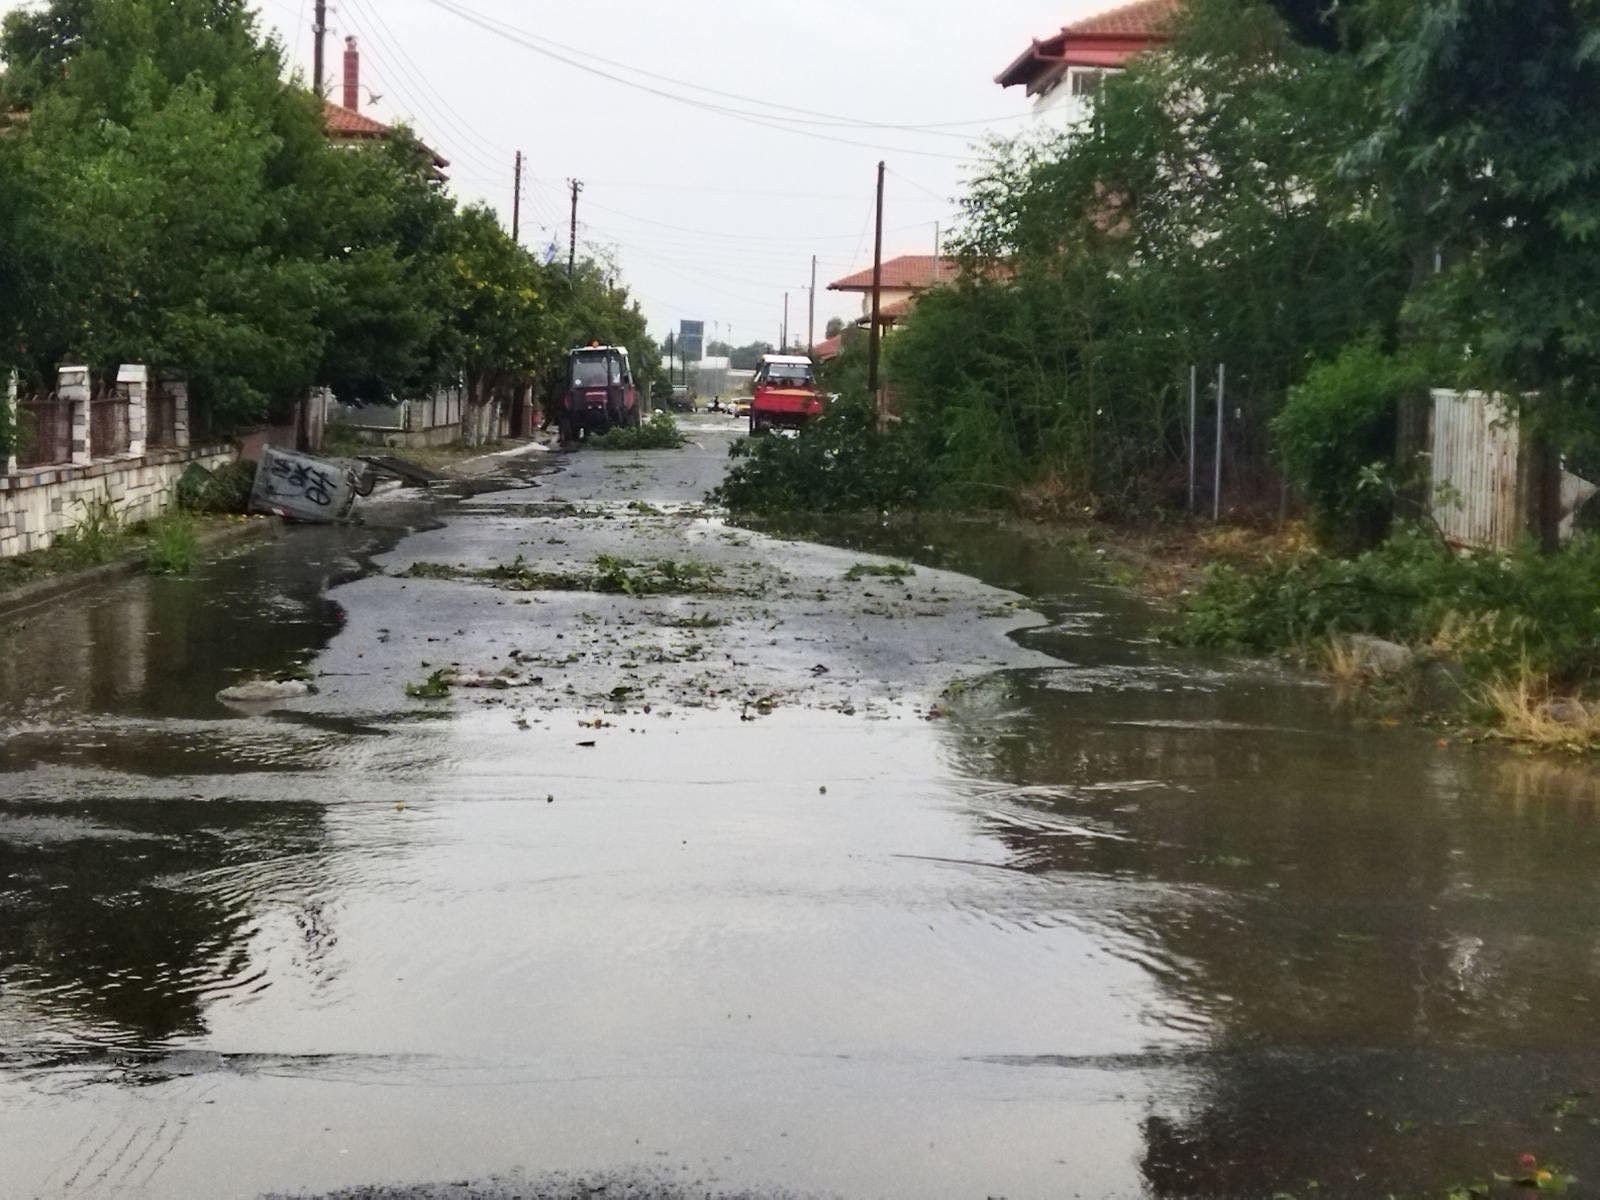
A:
(8, 418)
(177, 386)
(137, 377)
(72, 388)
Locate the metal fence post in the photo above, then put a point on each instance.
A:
(1216, 484)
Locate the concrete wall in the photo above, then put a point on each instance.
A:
(433, 421)
(38, 505)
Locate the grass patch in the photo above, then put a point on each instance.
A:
(174, 544)
(660, 432)
(1525, 710)
(880, 571)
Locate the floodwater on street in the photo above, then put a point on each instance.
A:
(730, 863)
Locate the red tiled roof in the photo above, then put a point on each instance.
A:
(343, 122)
(1143, 18)
(1108, 39)
(914, 271)
(828, 348)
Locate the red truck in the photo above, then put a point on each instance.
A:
(600, 394)
(785, 393)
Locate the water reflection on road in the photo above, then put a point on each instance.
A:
(1121, 920)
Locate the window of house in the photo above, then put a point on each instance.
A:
(1086, 81)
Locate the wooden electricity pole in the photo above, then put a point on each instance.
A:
(875, 334)
(516, 203)
(811, 310)
(784, 349)
(572, 243)
(319, 29)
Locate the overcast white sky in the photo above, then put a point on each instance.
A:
(708, 215)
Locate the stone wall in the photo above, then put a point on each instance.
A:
(39, 504)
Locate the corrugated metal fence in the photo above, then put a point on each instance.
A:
(1476, 486)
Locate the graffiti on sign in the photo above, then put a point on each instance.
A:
(302, 479)
(302, 487)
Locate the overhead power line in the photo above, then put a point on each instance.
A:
(741, 237)
(818, 117)
(767, 120)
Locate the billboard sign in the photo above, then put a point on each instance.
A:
(691, 340)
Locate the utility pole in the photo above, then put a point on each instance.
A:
(811, 314)
(319, 28)
(875, 334)
(572, 244)
(784, 349)
(938, 258)
(516, 204)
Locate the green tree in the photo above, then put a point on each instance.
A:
(498, 309)
(1200, 216)
(1490, 133)
(161, 179)
(388, 226)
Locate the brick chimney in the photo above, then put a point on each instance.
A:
(352, 75)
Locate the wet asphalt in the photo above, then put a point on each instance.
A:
(867, 859)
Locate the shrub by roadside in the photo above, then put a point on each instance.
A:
(660, 432)
(224, 490)
(837, 463)
(1523, 621)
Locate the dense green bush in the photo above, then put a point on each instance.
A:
(1337, 436)
(1497, 613)
(660, 432)
(225, 490)
(837, 463)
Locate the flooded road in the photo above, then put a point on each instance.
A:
(732, 863)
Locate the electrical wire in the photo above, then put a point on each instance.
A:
(821, 118)
(511, 34)
(396, 80)
(743, 237)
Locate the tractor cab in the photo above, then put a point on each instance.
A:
(785, 393)
(600, 393)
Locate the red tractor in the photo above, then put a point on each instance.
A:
(600, 394)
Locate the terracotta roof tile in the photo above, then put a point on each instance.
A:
(1109, 39)
(828, 348)
(343, 122)
(1144, 18)
(913, 271)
